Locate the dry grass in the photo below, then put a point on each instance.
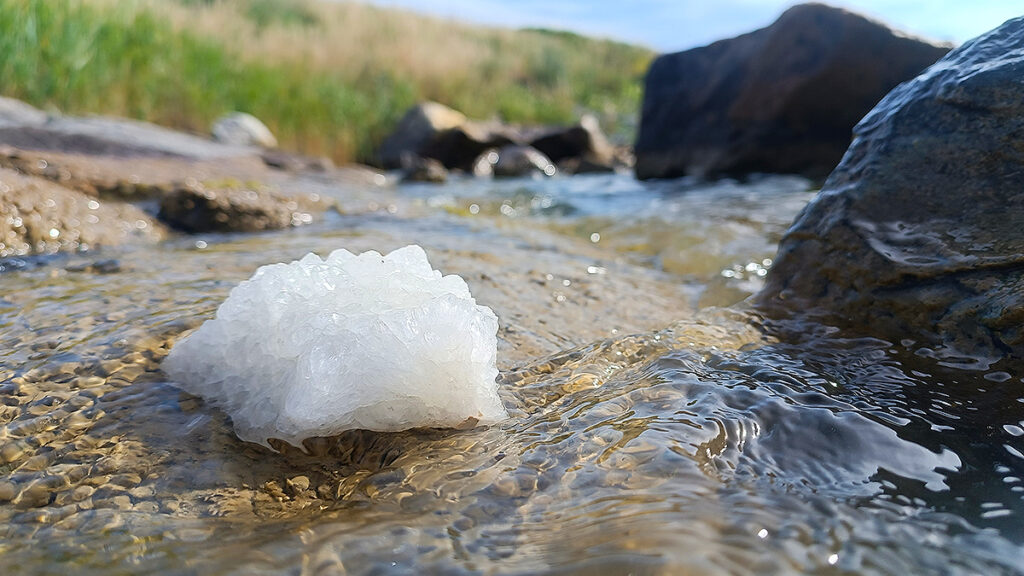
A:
(328, 77)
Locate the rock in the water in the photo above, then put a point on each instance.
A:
(516, 161)
(782, 99)
(483, 166)
(40, 217)
(418, 169)
(415, 131)
(583, 145)
(241, 129)
(919, 233)
(317, 347)
(196, 207)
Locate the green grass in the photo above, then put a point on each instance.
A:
(130, 59)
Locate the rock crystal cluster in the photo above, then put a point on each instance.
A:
(319, 346)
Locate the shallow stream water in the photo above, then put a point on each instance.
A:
(658, 426)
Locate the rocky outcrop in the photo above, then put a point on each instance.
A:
(432, 130)
(40, 217)
(196, 207)
(782, 99)
(241, 129)
(919, 233)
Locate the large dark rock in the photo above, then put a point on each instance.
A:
(782, 99)
(919, 233)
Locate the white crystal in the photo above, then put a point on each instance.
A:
(316, 347)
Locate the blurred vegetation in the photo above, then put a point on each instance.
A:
(328, 78)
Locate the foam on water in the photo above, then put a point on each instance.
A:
(320, 346)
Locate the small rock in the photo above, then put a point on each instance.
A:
(241, 129)
(418, 169)
(8, 491)
(82, 492)
(483, 166)
(34, 496)
(583, 143)
(122, 502)
(298, 485)
(110, 266)
(516, 161)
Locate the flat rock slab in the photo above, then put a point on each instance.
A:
(116, 136)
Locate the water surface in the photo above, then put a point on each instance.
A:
(658, 426)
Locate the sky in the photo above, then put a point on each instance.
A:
(671, 25)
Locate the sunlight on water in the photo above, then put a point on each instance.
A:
(721, 444)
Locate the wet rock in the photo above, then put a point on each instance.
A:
(419, 125)
(241, 129)
(782, 99)
(40, 217)
(483, 166)
(522, 161)
(584, 145)
(459, 147)
(8, 491)
(109, 266)
(196, 207)
(919, 233)
(431, 130)
(418, 169)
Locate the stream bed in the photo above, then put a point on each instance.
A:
(658, 424)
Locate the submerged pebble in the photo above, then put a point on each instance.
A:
(320, 346)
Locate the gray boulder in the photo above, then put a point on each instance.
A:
(241, 129)
(919, 233)
(782, 99)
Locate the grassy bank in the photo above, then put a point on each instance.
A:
(328, 78)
